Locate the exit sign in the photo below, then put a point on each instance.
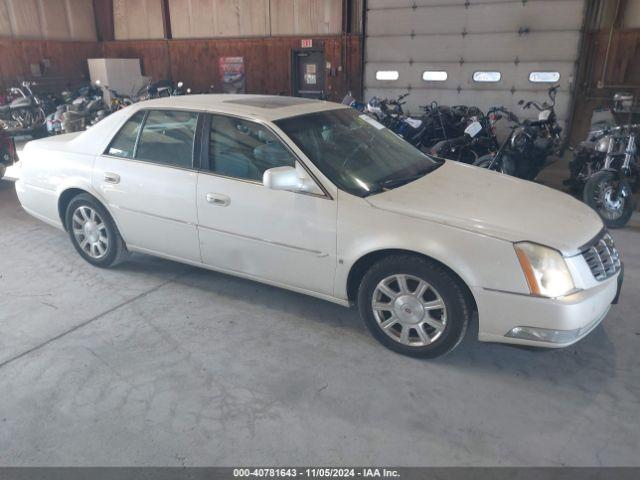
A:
(306, 43)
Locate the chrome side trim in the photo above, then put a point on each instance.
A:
(161, 217)
(317, 253)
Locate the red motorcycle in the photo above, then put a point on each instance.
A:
(8, 154)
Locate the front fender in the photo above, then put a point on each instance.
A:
(479, 260)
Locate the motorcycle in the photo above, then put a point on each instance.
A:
(589, 156)
(389, 112)
(350, 100)
(445, 123)
(524, 152)
(469, 148)
(116, 101)
(610, 190)
(25, 113)
(80, 109)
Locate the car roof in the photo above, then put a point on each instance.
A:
(263, 107)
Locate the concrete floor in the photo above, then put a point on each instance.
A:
(155, 363)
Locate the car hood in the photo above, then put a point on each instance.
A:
(496, 205)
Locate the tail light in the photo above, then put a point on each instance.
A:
(8, 149)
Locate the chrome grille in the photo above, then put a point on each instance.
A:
(602, 257)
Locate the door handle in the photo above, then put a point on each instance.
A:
(218, 199)
(111, 178)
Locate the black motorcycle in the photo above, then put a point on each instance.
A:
(525, 151)
(25, 114)
(443, 123)
(610, 190)
(473, 144)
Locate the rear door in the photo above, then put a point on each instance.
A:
(148, 180)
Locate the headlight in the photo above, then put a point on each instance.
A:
(545, 270)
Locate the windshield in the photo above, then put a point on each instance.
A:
(358, 154)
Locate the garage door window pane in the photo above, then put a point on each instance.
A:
(434, 76)
(544, 77)
(167, 138)
(242, 149)
(489, 77)
(387, 75)
(124, 143)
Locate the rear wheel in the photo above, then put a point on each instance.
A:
(93, 232)
(611, 197)
(413, 306)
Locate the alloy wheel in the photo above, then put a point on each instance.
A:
(409, 310)
(90, 232)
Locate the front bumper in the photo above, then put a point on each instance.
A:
(572, 316)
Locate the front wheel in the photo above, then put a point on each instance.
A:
(611, 197)
(413, 306)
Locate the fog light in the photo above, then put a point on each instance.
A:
(544, 334)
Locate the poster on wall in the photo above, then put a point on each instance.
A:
(232, 74)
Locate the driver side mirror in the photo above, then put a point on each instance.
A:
(293, 179)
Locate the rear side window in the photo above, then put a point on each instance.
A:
(124, 143)
(168, 137)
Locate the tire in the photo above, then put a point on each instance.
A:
(450, 311)
(614, 213)
(485, 161)
(105, 245)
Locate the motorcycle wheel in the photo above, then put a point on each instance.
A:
(599, 194)
(468, 156)
(485, 161)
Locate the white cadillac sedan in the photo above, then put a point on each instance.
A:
(317, 198)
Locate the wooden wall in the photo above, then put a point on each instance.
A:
(48, 19)
(238, 18)
(195, 62)
(138, 19)
(622, 74)
(62, 63)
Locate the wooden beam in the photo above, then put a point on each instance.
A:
(103, 11)
(166, 19)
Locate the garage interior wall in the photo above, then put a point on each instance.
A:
(48, 19)
(264, 32)
(459, 37)
(610, 59)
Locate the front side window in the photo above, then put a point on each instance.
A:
(124, 143)
(358, 154)
(168, 137)
(242, 149)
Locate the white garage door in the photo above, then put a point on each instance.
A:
(448, 42)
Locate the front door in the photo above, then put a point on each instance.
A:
(147, 179)
(308, 73)
(282, 237)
